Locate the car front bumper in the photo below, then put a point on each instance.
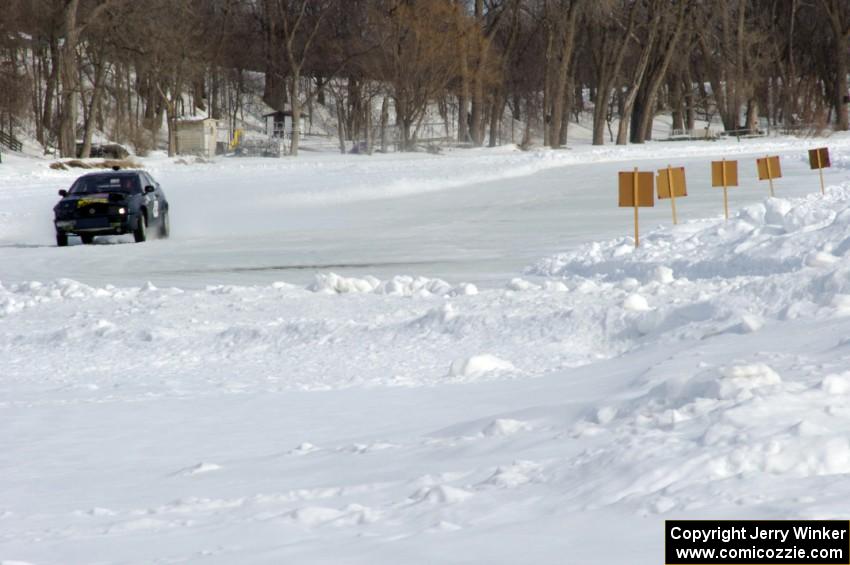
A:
(103, 225)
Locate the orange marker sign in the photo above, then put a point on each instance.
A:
(819, 159)
(671, 184)
(636, 192)
(769, 169)
(724, 173)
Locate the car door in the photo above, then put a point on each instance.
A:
(155, 199)
(163, 201)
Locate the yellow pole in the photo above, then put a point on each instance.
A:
(769, 173)
(635, 196)
(672, 193)
(725, 193)
(820, 171)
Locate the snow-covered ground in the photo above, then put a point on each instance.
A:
(454, 358)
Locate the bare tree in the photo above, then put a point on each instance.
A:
(670, 36)
(14, 82)
(610, 35)
(74, 24)
(169, 37)
(563, 16)
(416, 57)
(128, 66)
(649, 36)
(293, 26)
(838, 16)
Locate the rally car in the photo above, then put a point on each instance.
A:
(111, 203)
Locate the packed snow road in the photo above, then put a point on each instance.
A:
(477, 216)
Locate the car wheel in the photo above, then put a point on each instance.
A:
(61, 239)
(140, 234)
(164, 226)
(87, 238)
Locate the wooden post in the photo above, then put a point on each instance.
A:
(769, 173)
(820, 171)
(725, 192)
(672, 193)
(635, 193)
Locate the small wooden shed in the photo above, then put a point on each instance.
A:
(197, 136)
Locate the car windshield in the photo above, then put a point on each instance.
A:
(118, 183)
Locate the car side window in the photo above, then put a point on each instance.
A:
(150, 182)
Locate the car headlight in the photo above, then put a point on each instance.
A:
(122, 211)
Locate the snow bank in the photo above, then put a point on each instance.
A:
(767, 238)
(478, 365)
(779, 259)
(331, 283)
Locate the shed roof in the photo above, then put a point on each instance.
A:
(195, 120)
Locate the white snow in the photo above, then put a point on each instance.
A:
(417, 359)
(836, 384)
(636, 302)
(479, 365)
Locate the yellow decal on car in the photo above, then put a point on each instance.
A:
(86, 201)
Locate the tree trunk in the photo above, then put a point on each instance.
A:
(637, 80)
(656, 78)
(752, 115)
(52, 86)
(68, 71)
(496, 114)
(340, 124)
(38, 62)
(547, 82)
(370, 138)
(565, 119)
(628, 104)
(740, 34)
(639, 114)
(840, 94)
(600, 113)
(274, 90)
(481, 48)
(354, 129)
(477, 117)
(567, 39)
(385, 118)
(159, 111)
(171, 121)
(526, 132)
(94, 104)
(608, 68)
(199, 94)
(677, 104)
(690, 106)
(295, 105)
(463, 97)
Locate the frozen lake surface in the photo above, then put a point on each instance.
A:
(478, 216)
